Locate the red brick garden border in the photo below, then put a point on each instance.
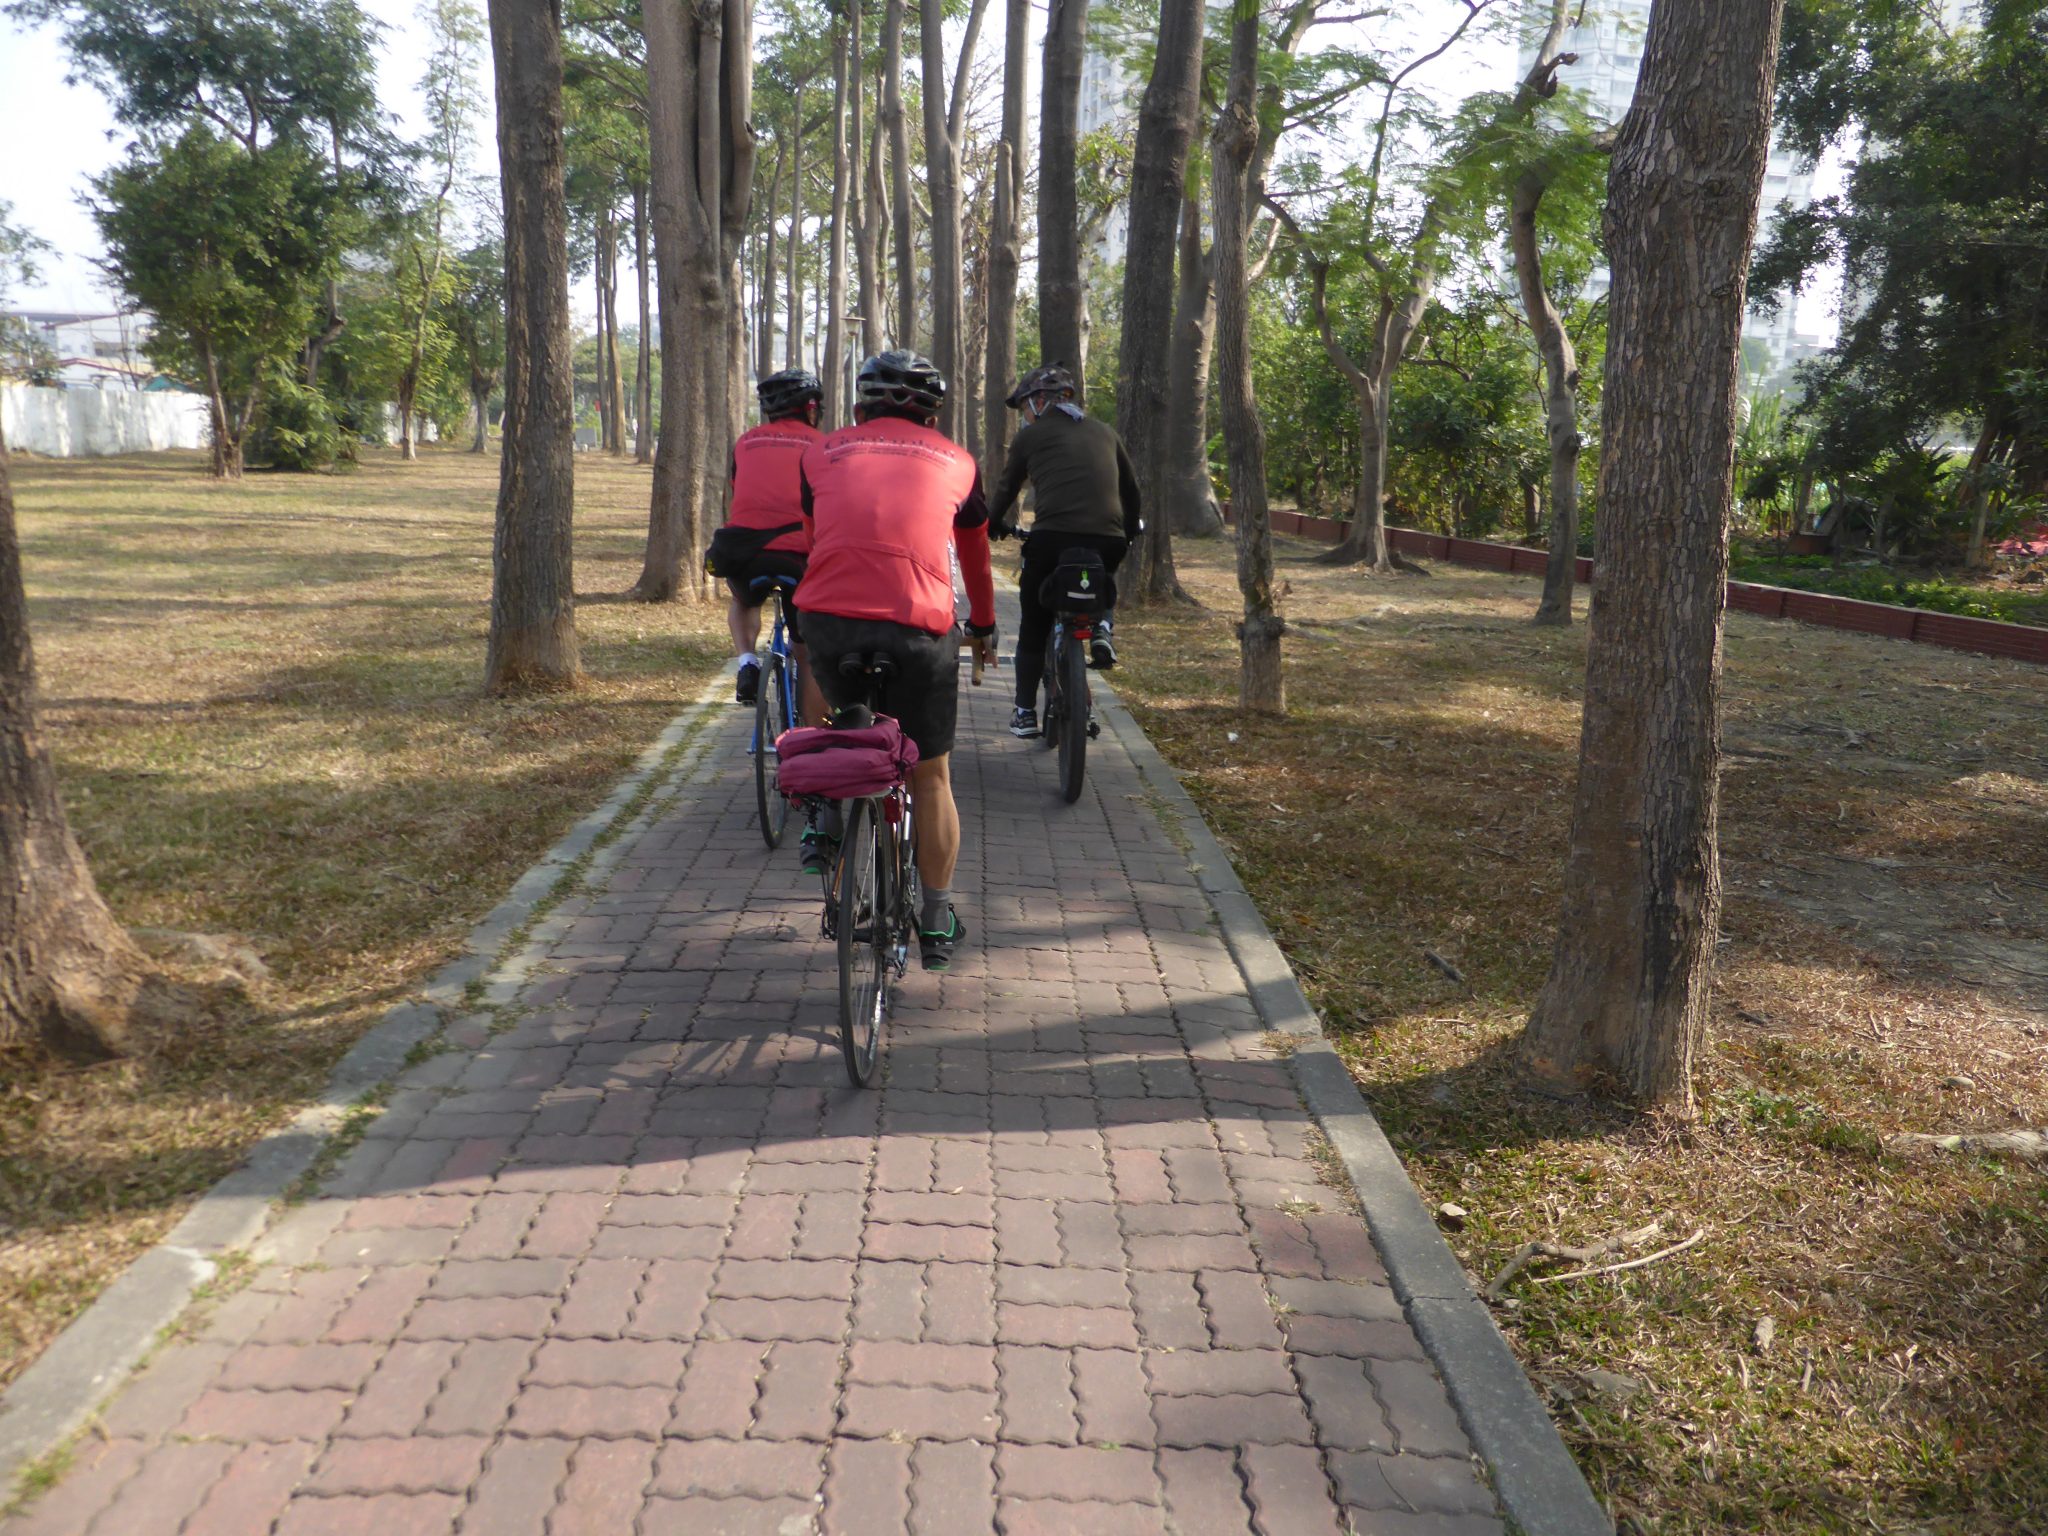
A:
(1985, 637)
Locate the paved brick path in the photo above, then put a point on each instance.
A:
(645, 1258)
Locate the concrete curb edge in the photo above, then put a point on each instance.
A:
(1538, 1484)
(83, 1365)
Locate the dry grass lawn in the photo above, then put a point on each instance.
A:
(1884, 969)
(263, 699)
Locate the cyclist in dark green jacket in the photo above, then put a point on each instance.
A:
(1084, 495)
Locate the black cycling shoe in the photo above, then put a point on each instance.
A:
(747, 686)
(936, 949)
(1102, 651)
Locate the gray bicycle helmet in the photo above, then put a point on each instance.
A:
(1052, 379)
(788, 392)
(901, 378)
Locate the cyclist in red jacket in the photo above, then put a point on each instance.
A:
(887, 502)
(766, 525)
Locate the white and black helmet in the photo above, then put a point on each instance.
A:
(900, 377)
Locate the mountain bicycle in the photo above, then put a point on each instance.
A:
(1068, 720)
(774, 710)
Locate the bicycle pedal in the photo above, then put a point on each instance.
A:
(1094, 729)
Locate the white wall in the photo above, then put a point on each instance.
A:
(83, 423)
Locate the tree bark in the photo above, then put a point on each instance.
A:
(1005, 245)
(533, 599)
(480, 412)
(1560, 400)
(1233, 148)
(764, 340)
(899, 173)
(793, 346)
(70, 977)
(1159, 163)
(643, 365)
(943, 129)
(1190, 494)
(1625, 1005)
(701, 155)
(831, 365)
(1061, 298)
(874, 220)
(613, 382)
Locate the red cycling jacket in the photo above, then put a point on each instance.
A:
(885, 501)
(765, 479)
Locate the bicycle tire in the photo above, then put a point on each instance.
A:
(1074, 727)
(1049, 734)
(771, 716)
(865, 877)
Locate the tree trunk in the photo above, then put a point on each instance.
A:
(1159, 163)
(1560, 402)
(899, 173)
(1005, 245)
(1061, 298)
(874, 220)
(831, 366)
(701, 154)
(222, 438)
(70, 979)
(643, 365)
(1979, 492)
(793, 355)
(533, 598)
(1190, 494)
(942, 132)
(1625, 1005)
(480, 410)
(764, 340)
(1233, 146)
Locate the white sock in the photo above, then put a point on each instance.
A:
(749, 659)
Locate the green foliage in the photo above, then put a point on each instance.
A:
(226, 249)
(1467, 428)
(1941, 230)
(19, 248)
(1875, 584)
(24, 354)
(298, 429)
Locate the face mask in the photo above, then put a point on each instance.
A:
(1071, 410)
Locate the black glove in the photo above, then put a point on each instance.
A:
(981, 631)
(1000, 530)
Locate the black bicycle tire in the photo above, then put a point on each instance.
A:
(1074, 704)
(862, 837)
(771, 710)
(1049, 734)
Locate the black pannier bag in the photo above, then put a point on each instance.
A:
(1080, 583)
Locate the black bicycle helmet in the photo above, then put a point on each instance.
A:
(788, 392)
(901, 378)
(1052, 379)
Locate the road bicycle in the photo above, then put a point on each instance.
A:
(872, 892)
(774, 710)
(1068, 721)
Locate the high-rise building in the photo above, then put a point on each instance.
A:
(1108, 99)
(1609, 43)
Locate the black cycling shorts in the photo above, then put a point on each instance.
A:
(770, 563)
(924, 695)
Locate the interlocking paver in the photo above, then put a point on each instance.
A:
(642, 1261)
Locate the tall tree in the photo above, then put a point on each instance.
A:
(1233, 149)
(448, 86)
(899, 172)
(477, 318)
(845, 71)
(1062, 299)
(794, 336)
(700, 79)
(1626, 1001)
(643, 363)
(944, 129)
(1006, 243)
(533, 595)
(1159, 167)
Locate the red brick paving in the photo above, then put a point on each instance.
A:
(643, 1262)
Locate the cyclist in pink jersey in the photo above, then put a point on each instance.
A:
(763, 539)
(888, 501)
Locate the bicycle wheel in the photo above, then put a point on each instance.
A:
(865, 875)
(771, 716)
(1074, 728)
(1049, 735)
